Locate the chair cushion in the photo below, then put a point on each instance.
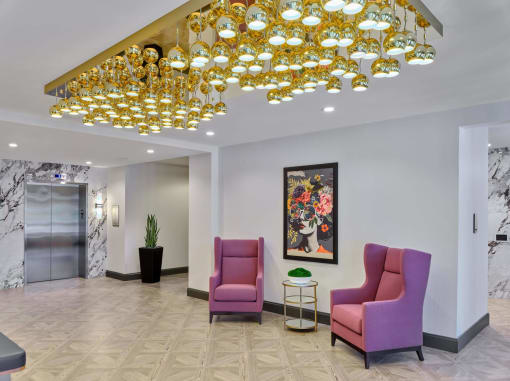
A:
(11, 355)
(349, 315)
(393, 260)
(240, 248)
(235, 293)
(239, 270)
(390, 286)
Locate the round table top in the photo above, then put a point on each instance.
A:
(288, 283)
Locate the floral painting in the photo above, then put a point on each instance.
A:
(310, 212)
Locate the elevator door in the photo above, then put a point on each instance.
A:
(52, 223)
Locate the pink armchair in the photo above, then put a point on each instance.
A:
(386, 313)
(237, 285)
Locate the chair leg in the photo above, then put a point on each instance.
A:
(260, 318)
(420, 354)
(367, 360)
(210, 317)
(333, 339)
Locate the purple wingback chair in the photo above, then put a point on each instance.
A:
(237, 285)
(386, 313)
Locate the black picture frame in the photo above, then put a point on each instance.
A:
(334, 167)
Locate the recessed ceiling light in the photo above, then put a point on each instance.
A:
(210, 133)
(488, 145)
(88, 162)
(13, 145)
(150, 151)
(328, 109)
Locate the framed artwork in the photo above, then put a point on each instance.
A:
(310, 213)
(115, 215)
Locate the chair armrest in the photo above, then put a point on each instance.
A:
(389, 324)
(214, 281)
(259, 285)
(348, 296)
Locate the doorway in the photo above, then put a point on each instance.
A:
(55, 231)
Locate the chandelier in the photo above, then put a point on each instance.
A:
(285, 47)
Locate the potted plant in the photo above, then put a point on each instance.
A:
(300, 276)
(151, 255)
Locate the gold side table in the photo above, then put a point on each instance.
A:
(300, 300)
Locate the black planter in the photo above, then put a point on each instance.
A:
(150, 263)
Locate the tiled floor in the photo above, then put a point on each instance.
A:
(104, 329)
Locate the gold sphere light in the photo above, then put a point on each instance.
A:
(284, 79)
(88, 121)
(416, 56)
(220, 52)
(226, 26)
(358, 49)
(372, 49)
(265, 51)
(195, 104)
(197, 22)
(334, 86)
(247, 82)
(256, 66)
(329, 36)
(286, 95)
(232, 76)
(338, 66)
(276, 34)
(296, 61)
(410, 41)
(326, 56)
(393, 67)
(257, 17)
(353, 7)
(270, 81)
(296, 34)
(238, 11)
(291, 10)
(297, 87)
(312, 13)
(246, 50)
(370, 16)
(216, 76)
(55, 112)
(360, 83)
(430, 55)
(333, 5)
(380, 68)
(395, 43)
(220, 108)
(386, 18)
(352, 69)
(274, 97)
(200, 54)
(308, 43)
(280, 61)
(347, 34)
(178, 58)
(310, 56)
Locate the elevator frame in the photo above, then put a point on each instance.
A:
(82, 187)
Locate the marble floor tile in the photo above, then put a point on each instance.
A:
(100, 330)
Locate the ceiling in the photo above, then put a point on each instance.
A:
(40, 42)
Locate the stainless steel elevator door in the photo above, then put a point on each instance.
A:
(65, 229)
(38, 232)
(52, 231)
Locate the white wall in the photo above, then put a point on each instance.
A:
(116, 235)
(472, 278)
(150, 188)
(200, 231)
(398, 186)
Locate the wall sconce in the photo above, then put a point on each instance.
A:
(99, 206)
(115, 215)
